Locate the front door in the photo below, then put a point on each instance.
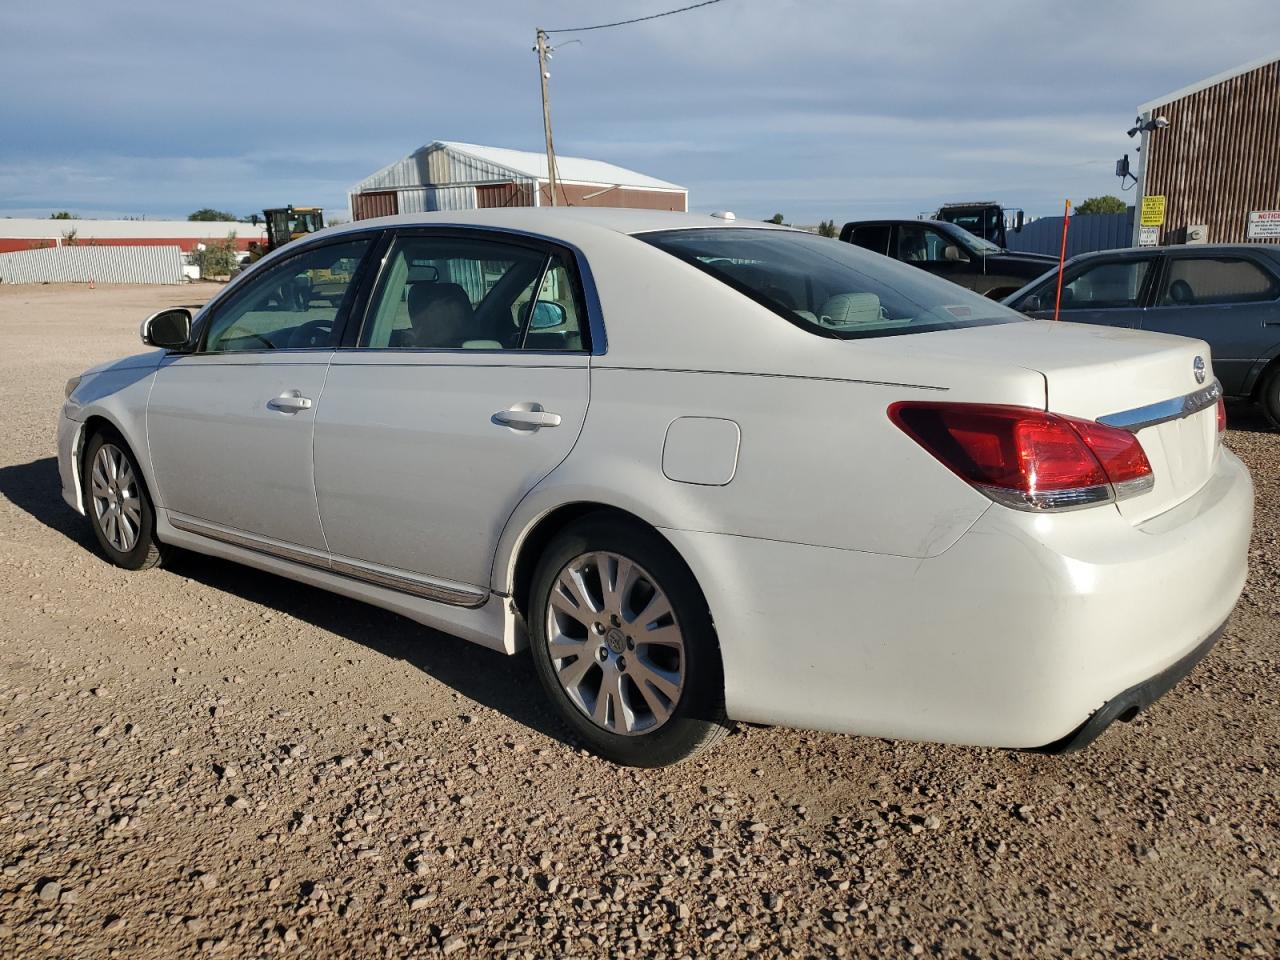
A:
(1109, 291)
(229, 427)
(468, 385)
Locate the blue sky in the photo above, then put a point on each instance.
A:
(814, 108)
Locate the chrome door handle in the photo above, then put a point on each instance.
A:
(290, 402)
(526, 416)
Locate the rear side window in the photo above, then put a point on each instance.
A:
(827, 287)
(874, 238)
(463, 293)
(1205, 280)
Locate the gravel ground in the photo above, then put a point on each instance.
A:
(206, 759)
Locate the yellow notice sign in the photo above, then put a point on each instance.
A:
(1152, 211)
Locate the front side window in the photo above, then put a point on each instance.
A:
(1192, 281)
(461, 293)
(293, 305)
(1110, 285)
(920, 244)
(827, 287)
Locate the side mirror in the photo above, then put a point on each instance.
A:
(547, 314)
(1032, 304)
(952, 254)
(169, 329)
(1019, 221)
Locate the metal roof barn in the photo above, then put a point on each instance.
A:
(445, 175)
(1217, 163)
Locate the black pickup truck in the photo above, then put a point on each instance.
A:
(951, 252)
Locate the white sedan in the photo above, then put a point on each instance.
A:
(707, 470)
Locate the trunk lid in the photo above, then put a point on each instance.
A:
(1118, 376)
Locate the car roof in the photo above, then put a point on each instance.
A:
(1188, 248)
(556, 219)
(900, 220)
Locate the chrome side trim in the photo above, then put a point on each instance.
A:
(1140, 418)
(440, 591)
(451, 593)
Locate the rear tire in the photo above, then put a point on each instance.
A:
(1269, 397)
(117, 503)
(624, 645)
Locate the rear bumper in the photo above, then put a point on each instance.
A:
(1016, 636)
(1127, 705)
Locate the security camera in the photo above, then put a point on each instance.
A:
(1159, 123)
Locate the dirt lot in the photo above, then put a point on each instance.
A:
(206, 759)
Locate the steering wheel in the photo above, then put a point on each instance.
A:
(317, 333)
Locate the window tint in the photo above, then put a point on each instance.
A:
(557, 318)
(1198, 280)
(1111, 284)
(921, 244)
(828, 287)
(294, 305)
(874, 238)
(458, 293)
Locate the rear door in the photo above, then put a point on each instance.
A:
(1229, 300)
(467, 385)
(1109, 290)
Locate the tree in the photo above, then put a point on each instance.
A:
(826, 228)
(776, 218)
(208, 213)
(217, 259)
(1108, 204)
(62, 215)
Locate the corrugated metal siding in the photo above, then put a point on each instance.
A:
(504, 195)
(374, 203)
(450, 198)
(1218, 158)
(1088, 232)
(98, 264)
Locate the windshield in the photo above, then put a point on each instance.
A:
(827, 287)
(976, 244)
(982, 223)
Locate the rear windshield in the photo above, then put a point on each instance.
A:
(830, 288)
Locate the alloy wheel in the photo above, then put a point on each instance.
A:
(117, 502)
(615, 644)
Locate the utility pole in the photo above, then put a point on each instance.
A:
(542, 50)
(1144, 119)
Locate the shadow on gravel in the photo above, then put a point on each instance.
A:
(506, 684)
(36, 488)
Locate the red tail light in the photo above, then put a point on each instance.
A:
(1222, 418)
(1026, 458)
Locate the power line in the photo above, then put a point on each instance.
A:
(623, 23)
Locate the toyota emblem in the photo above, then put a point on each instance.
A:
(1198, 366)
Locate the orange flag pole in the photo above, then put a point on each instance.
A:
(1062, 257)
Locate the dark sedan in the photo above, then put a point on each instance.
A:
(1228, 295)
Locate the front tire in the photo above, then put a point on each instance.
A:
(118, 504)
(624, 645)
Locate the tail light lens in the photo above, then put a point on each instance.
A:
(1222, 418)
(1029, 459)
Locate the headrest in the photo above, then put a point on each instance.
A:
(850, 309)
(424, 296)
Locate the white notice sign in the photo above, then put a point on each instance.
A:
(1148, 236)
(1263, 225)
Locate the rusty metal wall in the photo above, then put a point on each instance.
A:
(1219, 157)
(596, 195)
(381, 203)
(510, 194)
(84, 264)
